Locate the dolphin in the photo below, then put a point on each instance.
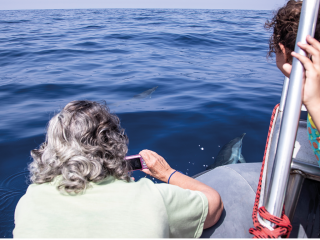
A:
(139, 96)
(229, 153)
(144, 94)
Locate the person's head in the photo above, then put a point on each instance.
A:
(84, 143)
(285, 24)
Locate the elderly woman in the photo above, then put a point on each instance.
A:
(82, 186)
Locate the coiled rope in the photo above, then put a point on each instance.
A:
(283, 226)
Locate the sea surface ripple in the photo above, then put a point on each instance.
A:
(214, 82)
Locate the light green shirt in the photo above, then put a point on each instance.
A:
(111, 209)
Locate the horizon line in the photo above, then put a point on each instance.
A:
(241, 9)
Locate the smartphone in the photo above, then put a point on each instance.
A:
(136, 162)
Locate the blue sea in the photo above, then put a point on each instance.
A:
(209, 66)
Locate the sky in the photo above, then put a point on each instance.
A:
(194, 4)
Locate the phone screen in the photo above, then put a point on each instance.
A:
(135, 163)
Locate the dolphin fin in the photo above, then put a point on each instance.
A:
(241, 159)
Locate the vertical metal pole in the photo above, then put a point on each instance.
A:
(293, 192)
(289, 124)
(284, 93)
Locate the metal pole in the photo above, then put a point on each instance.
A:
(284, 93)
(293, 192)
(289, 124)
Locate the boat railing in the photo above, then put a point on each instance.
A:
(290, 110)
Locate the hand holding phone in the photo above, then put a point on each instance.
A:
(157, 166)
(136, 162)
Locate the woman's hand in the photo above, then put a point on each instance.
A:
(157, 166)
(311, 89)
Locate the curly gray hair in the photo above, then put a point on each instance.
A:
(84, 143)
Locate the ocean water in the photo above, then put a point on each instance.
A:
(209, 66)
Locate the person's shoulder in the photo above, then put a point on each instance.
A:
(34, 187)
(163, 188)
(170, 192)
(147, 186)
(171, 188)
(43, 189)
(34, 191)
(144, 183)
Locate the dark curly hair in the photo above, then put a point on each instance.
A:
(84, 143)
(285, 24)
